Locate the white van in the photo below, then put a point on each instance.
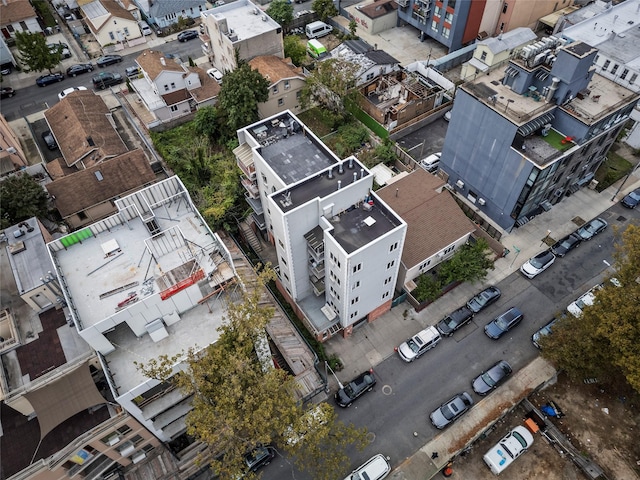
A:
(144, 28)
(317, 30)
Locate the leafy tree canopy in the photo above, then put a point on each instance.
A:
(242, 90)
(324, 9)
(20, 199)
(330, 84)
(281, 11)
(605, 341)
(240, 402)
(34, 53)
(295, 49)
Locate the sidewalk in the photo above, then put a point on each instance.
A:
(371, 344)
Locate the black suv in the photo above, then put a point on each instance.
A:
(357, 387)
(106, 79)
(79, 68)
(454, 321)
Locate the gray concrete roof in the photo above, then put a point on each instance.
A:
(509, 40)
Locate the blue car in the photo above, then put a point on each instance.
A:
(48, 79)
(632, 200)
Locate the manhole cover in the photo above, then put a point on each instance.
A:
(387, 390)
(578, 221)
(621, 219)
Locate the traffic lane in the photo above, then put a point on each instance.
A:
(407, 393)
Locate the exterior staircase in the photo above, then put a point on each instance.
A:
(249, 236)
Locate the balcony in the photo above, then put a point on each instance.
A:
(402, 3)
(251, 188)
(255, 204)
(318, 287)
(259, 221)
(317, 270)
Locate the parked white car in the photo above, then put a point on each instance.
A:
(376, 468)
(512, 445)
(584, 300)
(69, 90)
(538, 264)
(215, 74)
(420, 343)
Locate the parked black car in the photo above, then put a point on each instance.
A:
(48, 79)
(187, 35)
(568, 243)
(503, 323)
(357, 387)
(7, 92)
(79, 68)
(48, 139)
(454, 321)
(592, 228)
(108, 60)
(259, 457)
(492, 378)
(483, 299)
(632, 199)
(106, 79)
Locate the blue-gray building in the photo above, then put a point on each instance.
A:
(524, 136)
(453, 23)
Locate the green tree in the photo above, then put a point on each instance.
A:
(330, 85)
(206, 122)
(239, 401)
(352, 28)
(605, 341)
(34, 53)
(20, 199)
(295, 49)
(324, 9)
(470, 263)
(242, 90)
(281, 12)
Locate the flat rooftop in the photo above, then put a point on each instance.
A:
(355, 228)
(321, 184)
(103, 270)
(614, 31)
(290, 149)
(604, 97)
(27, 255)
(242, 19)
(197, 329)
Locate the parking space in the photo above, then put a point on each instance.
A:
(425, 141)
(38, 127)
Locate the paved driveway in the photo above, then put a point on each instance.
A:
(425, 141)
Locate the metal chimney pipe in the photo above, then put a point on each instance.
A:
(339, 184)
(355, 177)
(340, 168)
(331, 172)
(351, 162)
(397, 190)
(362, 173)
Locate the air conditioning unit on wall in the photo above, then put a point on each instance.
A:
(482, 201)
(460, 184)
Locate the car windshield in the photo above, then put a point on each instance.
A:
(449, 322)
(480, 299)
(502, 323)
(488, 380)
(413, 345)
(348, 389)
(539, 261)
(520, 438)
(447, 412)
(635, 195)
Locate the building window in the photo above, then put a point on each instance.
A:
(385, 295)
(434, 25)
(286, 84)
(355, 300)
(624, 74)
(633, 78)
(606, 65)
(446, 31)
(275, 89)
(280, 243)
(126, 32)
(357, 268)
(502, 26)
(393, 247)
(391, 264)
(112, 36)
(283, 260)
(280, 102)
(285, 275)
(387, 280)
(298, 94)
(115, 436)
(264, 178)
(166, 88)
(483, 56)
(173, 108)
(10, 28)
(354, 314)
(23, 26)
(369, 76)
(356, 285)
(437, 11)
(173, 85)
(614, 69)
(82, 215)
(448, 17)
(505, 5)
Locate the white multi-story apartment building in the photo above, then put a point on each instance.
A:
(338, 244)
(239, 26)
(143, 283)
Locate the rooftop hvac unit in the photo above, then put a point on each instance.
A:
(460, 184)
(482, 201)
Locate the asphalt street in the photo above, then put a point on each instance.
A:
(32, 99)
(396, 413)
